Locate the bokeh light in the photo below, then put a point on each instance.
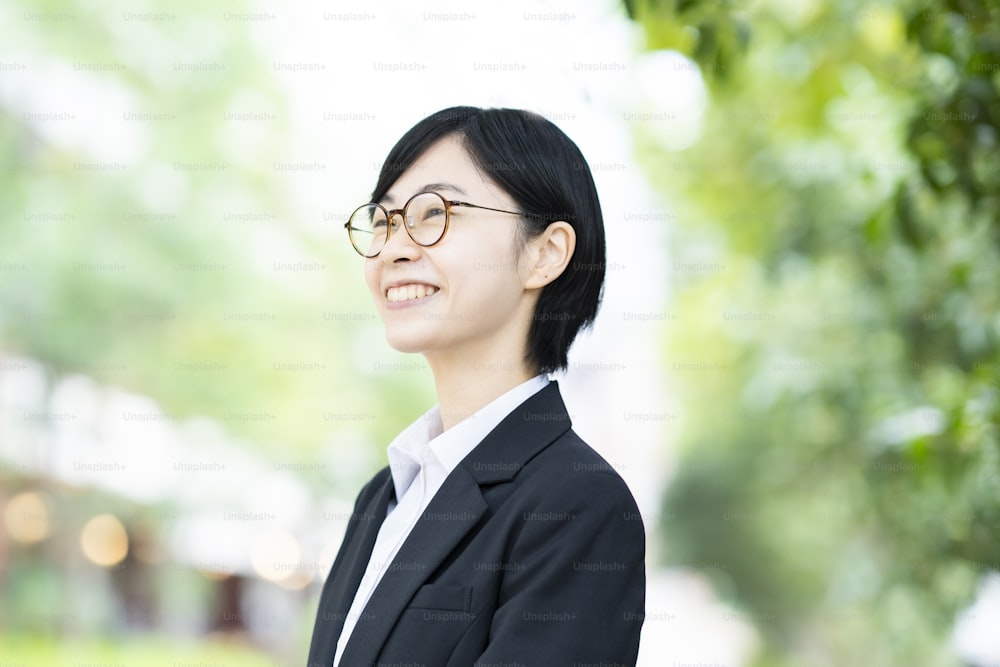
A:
(26, 518)
(104, 540)
(275, 555)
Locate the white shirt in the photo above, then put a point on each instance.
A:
(420, 458)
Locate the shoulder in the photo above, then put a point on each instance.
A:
(571, 468)
(569, 456)
(569, 499)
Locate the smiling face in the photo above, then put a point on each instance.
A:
(465, 299)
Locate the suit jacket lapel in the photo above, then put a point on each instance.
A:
(345, 576)
(455, 510)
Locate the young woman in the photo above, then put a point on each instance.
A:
(495, 536)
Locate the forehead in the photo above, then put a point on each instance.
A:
(444, 167)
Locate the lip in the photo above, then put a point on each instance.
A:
(411, 281)
(395, 305)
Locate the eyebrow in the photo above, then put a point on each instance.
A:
(430, 187)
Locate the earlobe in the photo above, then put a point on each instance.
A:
(551, 253)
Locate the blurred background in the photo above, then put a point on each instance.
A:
(796, 367)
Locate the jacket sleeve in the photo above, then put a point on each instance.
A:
(573, 590)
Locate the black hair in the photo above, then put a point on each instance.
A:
(547, 177)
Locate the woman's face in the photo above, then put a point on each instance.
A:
(462, 300)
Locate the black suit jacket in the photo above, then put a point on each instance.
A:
(531, 553)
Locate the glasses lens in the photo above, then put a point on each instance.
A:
(426, 218)
(368, 228)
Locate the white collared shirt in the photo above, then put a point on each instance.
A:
(420, 458)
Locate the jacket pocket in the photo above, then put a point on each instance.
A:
(440, 596)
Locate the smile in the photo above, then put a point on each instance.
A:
(409, 292)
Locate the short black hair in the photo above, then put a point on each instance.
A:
(548, 178)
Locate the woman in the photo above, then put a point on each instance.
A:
(495, 536)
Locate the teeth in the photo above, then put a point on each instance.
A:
(409, 292)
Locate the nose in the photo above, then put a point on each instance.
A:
(399, 247)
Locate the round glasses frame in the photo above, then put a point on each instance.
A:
(390, 213)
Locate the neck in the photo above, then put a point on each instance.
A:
(463, 389)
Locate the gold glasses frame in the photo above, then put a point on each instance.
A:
(391, 213)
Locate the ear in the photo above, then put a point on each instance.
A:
(548, 254)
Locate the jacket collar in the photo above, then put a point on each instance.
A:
(519, 437)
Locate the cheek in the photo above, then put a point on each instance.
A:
(492, 279)
(372, 277)
(490, 288)
(485, 257)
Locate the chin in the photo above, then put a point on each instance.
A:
(411, 342)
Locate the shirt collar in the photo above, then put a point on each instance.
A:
(426, 437)
(405, 452)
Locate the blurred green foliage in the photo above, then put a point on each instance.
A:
(144, 256)
(836, 345)
(145, 651)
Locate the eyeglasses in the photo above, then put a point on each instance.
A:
(426, 216)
